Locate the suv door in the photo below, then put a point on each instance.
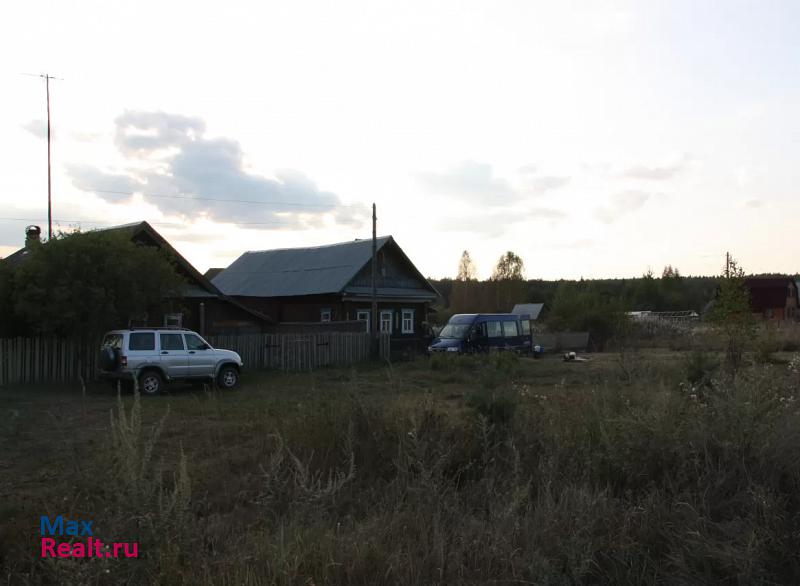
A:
(201, 356)
(174, 358)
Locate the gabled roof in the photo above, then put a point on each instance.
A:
(139, 231)
(531, 309)
(769, 292)
(316, 270)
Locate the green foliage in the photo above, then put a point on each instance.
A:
(496, 406)
(509, 267)
(91, 282)
(732, 314)
(699, 367)
(585, 308)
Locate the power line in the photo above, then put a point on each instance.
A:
(105, 223)
(225, 200)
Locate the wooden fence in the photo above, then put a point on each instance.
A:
(54, 360)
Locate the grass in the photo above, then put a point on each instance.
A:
(635, 470)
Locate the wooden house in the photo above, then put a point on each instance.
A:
(202, 307)
(334, 284)
(774, 298)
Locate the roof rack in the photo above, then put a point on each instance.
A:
(159, 328)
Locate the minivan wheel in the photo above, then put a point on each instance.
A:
(228, 377)
(150, 383)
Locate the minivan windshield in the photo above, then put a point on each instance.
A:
(456, 331)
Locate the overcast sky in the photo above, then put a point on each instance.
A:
(594, 139)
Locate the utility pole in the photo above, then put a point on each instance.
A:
(374, 320)
(47, 77)
(49, 184)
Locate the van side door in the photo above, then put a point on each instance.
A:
(494, 330)
(511, 339)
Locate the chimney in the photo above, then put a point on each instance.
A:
(32, 234)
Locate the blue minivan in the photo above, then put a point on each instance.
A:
(484, 332)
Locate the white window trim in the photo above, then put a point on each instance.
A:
(403, 314)
(363, 312)
(385, 312)
(323, 312)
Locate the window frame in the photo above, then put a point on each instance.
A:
(403, 313)
(381, 314)
(366, 312)
(325, 311)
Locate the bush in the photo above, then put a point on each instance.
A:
(497, 407)
(699, 367)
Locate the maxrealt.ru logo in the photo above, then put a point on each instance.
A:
(58, 540)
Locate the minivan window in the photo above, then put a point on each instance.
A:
(457, 331)
(113, 341)
(142, 341)
(171, 342)
(526, 327)
(495, 329)
(510, 329)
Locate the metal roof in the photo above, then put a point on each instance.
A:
(296, 271)
(531, 309)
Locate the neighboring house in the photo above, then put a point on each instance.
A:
(774, 298)
(202, 307)
(334, 283)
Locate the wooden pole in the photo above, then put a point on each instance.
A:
(374, 321)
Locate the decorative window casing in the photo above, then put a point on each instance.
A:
(363, 315)
(386, 321)
(325, 314)
(407, 321)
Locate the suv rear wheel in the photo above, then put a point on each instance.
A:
(150, 382)
(228, 377)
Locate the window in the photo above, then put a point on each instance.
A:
(386, 320)
(526, 327)
(363, 315)
(407, 325)
(171, 342)
(495, 329)
(510, 329)
(142, 341)
(768, 313)
(173, 320)
(325, 314)
(113, 341)
(194, 342)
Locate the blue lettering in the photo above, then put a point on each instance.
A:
(48, 528)
(86, 527)
(72, 527)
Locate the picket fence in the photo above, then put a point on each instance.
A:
(63, 360)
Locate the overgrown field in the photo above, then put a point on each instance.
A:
(643, 468)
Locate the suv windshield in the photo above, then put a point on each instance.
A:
(457, 331)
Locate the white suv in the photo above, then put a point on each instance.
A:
(155, 356)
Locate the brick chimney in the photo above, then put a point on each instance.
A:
(32, 234)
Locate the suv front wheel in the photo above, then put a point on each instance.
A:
(228, 377)
(150, 382)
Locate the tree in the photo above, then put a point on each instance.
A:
(670, 273)
(509, 268)
(466, 268)
(90, 282)
(732, 313)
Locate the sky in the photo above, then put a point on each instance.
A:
(594, 139)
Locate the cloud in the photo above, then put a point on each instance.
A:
(657, 172)
(545, 183)
(622, 203)
(754, 203)
(37, 128)
(470, 181)
(498, 223)
(183, 173)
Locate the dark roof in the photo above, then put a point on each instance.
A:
(144, 232)
(213, 272)
(317, 270)
(769, 292)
